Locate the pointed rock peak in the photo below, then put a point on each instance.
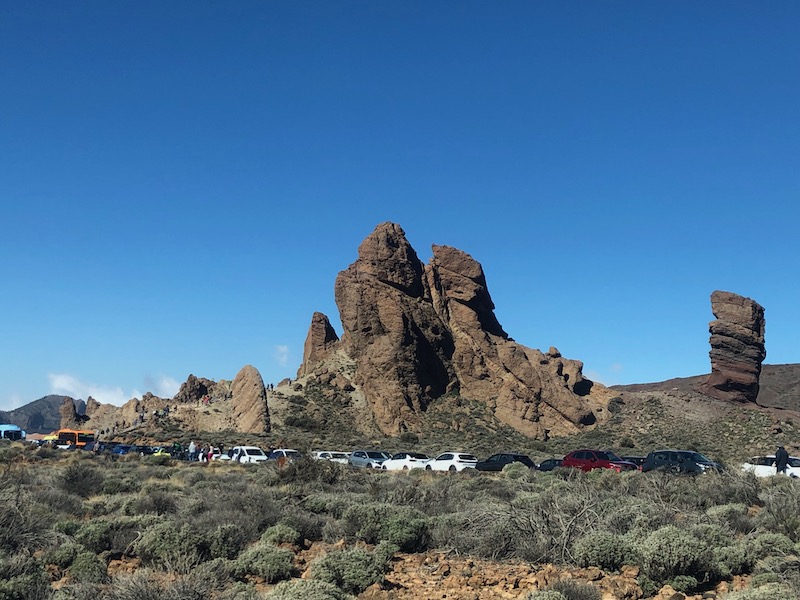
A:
(387, 255)
(321, 337)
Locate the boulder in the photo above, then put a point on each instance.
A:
(194, 389)
(737, 348)
(249, 410)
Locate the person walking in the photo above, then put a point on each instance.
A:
(781, 460)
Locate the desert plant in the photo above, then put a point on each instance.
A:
(281, 534)
(575, 590)
(546, 595)
(95, 536)
(226, 541)
(264, 560)
(307, 589)
(87, 567)
(669, 552)
(81, 479)
(23, 578)
(602, 549)
(352, 570)
(167, 544)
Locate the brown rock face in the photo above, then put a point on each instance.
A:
(70, 419)
(194, 388)
(249, 409)
(418, 332)
(737, 348)
(319, 341)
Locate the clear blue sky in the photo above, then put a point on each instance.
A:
(182, 181)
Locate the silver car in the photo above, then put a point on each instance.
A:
(367, 459)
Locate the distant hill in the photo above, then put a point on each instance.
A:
(779, 386)
(40, 416)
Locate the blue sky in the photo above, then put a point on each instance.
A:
(182, 181)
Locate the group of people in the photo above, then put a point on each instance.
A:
(202, 453)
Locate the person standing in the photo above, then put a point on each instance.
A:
(781, 460)
(192, 451)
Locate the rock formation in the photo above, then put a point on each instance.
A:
(737, 348)
(249, 410)
(416, 333)
(70, 418)
(194, 389)
(319, 341)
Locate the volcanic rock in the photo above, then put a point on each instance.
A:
(70, 418)
(250, 413)
(737, 348)
(319, 341)
(416, 333)
(194, 389)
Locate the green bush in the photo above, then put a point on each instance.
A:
(669, 552)
(576, 590)
(267, 561)
(602, 549)
(352, 570)
(120, 485)
(780, 512)
(167, 545)
(62, 555)
(735, 516)
(770, 591)
(95, 536)
(88, 568)
(226, 541)
(546, 595)
(81, 479)
(771, 544)
(373, 523)
(23, 578)
(281, 534)
(158, 502)
(307, 589)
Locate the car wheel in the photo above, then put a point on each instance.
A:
(405, 467)
(428, 468)
(452, 468)
(369, 466)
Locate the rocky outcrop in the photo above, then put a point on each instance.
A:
(249, 410)
(70, 417)
(320, 340)
(737, 348)
(194, 389)
(419, 332)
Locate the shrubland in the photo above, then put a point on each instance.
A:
(75, 526)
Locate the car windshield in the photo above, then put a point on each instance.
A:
(254, 451)
(608, 456)
(378, 455)
(338, 455)
(294, 453)
(418, 456)
(694, 456)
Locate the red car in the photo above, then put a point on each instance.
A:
(586, 460)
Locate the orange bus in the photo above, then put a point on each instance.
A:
(73, 437)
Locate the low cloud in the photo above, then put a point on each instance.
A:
(282, 355)
(69, 385)
(12, 402)
(163, 387)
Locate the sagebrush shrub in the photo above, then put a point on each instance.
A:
(771, 544)
(770, 591)
(226, 541)
(167, 544)
(575, 590)
(95, 536)
(352, 570)
(23, 578)
(546, 595)
(602, 549)
(281, 534)
(87, 567)
(81, 479)
(267, 561)
(780, 512)
(669, 552)
(62, 555)
(307, 589)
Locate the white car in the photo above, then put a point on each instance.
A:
(764, 466)
(367, 459)
(403, 461)
(284, 454)
(338, 457)
(247, 454)
(452, 461)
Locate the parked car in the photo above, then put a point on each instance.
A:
(549, 464)
(247, 454)
(587, 460)
(367, 459)
(637, 460)
(403, 461)
(680, 461)
(285, 454)
(122, 449)
(764, 466)
(496, 462)
(339, 457)
(452, 461)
